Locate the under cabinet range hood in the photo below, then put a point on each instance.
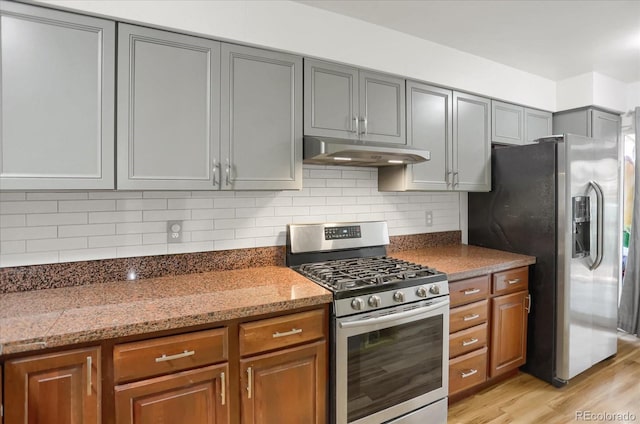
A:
(334, 151)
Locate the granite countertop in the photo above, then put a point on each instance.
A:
(39, 319)
(47, 318)
(461, 261)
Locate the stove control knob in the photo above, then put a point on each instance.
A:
(398, 297)
(434, 289)
(421, 292)
(357, 304)
(375, 301)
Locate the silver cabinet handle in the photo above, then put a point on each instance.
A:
(470, 317)
(227, 172)
(357, 121)
(470, 342)
(447, 176)
(365, 126)
(528, 307)
(456, 177)
(184, 354)
(468, 373)
(287, 333)
(214, 168)
(599, 225)
(89, 375)
(514, 281)
(249, 382)
(471, 291)
(223, 389)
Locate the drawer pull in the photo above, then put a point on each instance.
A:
(470, 317)
(470, 342)
(249, 382)
(471, 291)
(468, 373)
(287, 333)
(223, 389)
(89, 374)
(184, 354)
(514, 281)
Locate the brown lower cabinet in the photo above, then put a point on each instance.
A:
(198, 396)
(285, 387)
(56, 388)
(508, 332)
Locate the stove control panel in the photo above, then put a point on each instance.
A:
(346, 232)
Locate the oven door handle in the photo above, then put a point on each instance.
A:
(396, 316)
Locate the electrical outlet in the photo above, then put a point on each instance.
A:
(428, 215)
(174, 232)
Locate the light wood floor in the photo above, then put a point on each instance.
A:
(613, 386)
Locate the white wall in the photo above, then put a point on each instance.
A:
(305, 30)
(50, 227)
(593, 88)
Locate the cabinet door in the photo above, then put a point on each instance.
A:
(261, 119)
(168, 110)
(471, 143)
(286, 386)
(537, 124)
(382, 108)
(330, 100)
(199, 396)
(429, 127)
(605, 125)
(57, 388)
(508, 332)
(57, 99)
(507, 123)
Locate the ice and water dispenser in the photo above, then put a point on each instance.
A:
(581, 220)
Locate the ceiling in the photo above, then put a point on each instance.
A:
(553, 39)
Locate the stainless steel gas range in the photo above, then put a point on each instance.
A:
(389, 324)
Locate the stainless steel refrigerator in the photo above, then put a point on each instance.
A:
(559, 200)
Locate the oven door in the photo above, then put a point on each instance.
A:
(391, 362)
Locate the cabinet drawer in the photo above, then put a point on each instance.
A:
(510, 281)
(274, 333)
(468, 370)
(467, 291)
(465, 341)
(137, 360)
(468, 316)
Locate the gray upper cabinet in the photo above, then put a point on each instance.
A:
(537, 124)
(471, 160)
(261, 119)
(57, 99)
(429, 127)
(168, 110)
(590, 122)
(344, 102)
(507, 123)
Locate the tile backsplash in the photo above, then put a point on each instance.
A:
(52, 227)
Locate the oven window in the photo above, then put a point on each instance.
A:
(389, 366)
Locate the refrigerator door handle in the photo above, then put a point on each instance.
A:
(599, 225)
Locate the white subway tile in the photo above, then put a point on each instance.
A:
(295, 193)
(141, 227)
(24, 259)
(10, 247)
(34, 220)
(114, 217)
(291, 210)
(11, 196)
(346, 217)
(277, 240)
(28, 233)
(212, 235)
(86, 230)
(309, 219)
(201, 214)
(32, 206)
(48, 245)
(357, 175)
(309, 201)
(234, 244)
(276, 221)
(212, 194)
(370, 200)
(325, 173)
(203, 246)
(190, 203)
(7, 221)
(115, 241)
(55, 195)
(274, 201)
(323, 210)
(197, 225)
(355, 192)
(141, 204)
(373, 216)
(373, 184)
(254, 212)
(256, 194)
(341, 200)
(86, 205)
(356, 209)
(331, 191)
(115, 195)
(166, 194)
(342, 183)
(221, 224)
(444, 205)
(243, 202)
(315, 183)
(253, 232)
(424, 198)
(155, 238)
(167, 215)
(147, 250)
(87, 254)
